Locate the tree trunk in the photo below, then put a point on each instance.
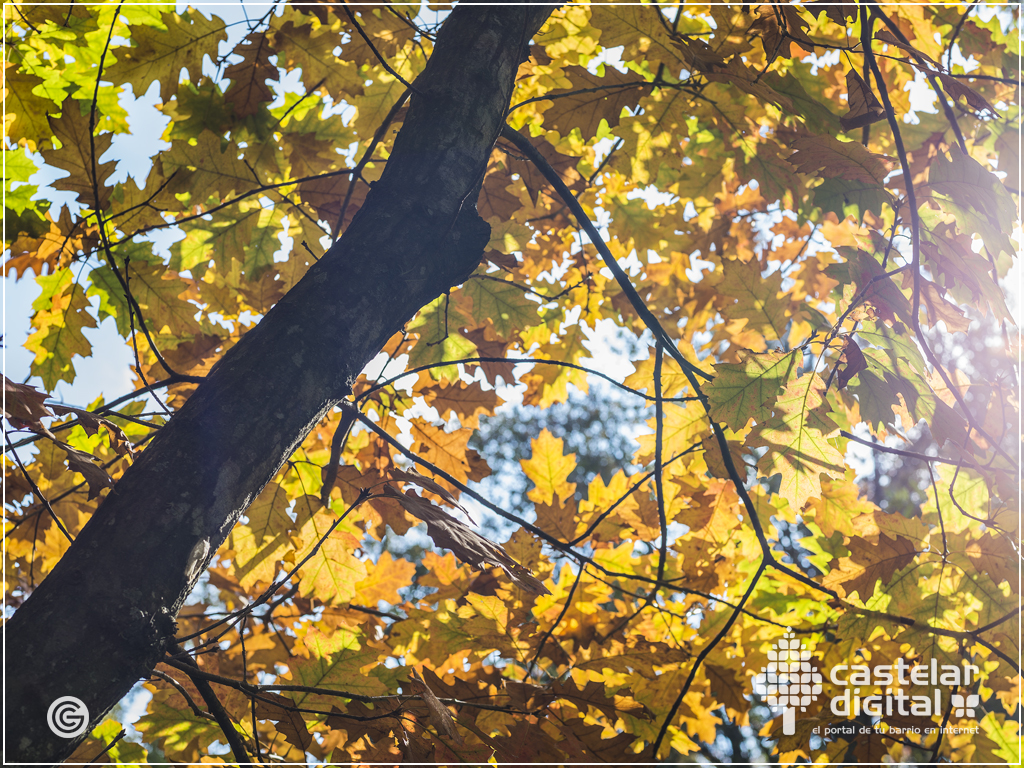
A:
(102, 619)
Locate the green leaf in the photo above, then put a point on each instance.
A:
(24, 111)
(161, 52)
(846, 197)
(746, 390)
(797, 440)
(265, 242)
(439, 340)
(332, 572)
(504, 304)
(303, 43)
(976, 197)
(205, 168)
(336, 662)
(106, 287)
(897, 343)
(1004, 732)
(757, 298)
(158, 293)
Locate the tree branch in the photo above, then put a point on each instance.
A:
(191, 668)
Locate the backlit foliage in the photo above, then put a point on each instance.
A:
(812, 243)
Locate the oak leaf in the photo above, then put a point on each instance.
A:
(332, 571)
(865, 108)
(440, 717)
(828, 157)
(746, 390)
(869, 563)
(79, 155)
(25, 112)
(24, 406)
(467, 401)
(756, 298)
(591, 98)
(336, 661)
(855, 362)
(549, 469)
(797, 438)
(384, 579)
(159, 55)
(249, 77)
(62, 313)
(504, 304)
(309, 47)
(204, 167)
(281, 709)
(447, 451)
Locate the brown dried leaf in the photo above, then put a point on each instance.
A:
(465, 543)
(416, 478)
(91, 423)
(855, 362)
(439, 714)
(281, 709)
(95, 475)
(24, 406)
(865, 108)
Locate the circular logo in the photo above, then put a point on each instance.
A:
(68, 717)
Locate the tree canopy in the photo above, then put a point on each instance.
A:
(802, 215)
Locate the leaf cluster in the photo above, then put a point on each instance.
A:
(808, 261)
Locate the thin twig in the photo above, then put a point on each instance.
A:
(551, 630)
(169, 381)
(955, 35)
(35, 489)
(691, 371)
(932, 79)
(113, 743)
(376, 53)
(196, 709)
(517, 361)
(526, 147)
(899, 452)
(189, 666)
(357, 172)
(364, 494)
(658, 471)
(915, 240)
(705, 651)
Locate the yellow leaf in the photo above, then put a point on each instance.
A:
(58, 336)
(332, 573)
(336, 661)
(549, 469)
(797, 440)
(384, 579)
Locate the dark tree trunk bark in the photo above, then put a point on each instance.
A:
(102, 619)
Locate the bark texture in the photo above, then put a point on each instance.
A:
(103, 618)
